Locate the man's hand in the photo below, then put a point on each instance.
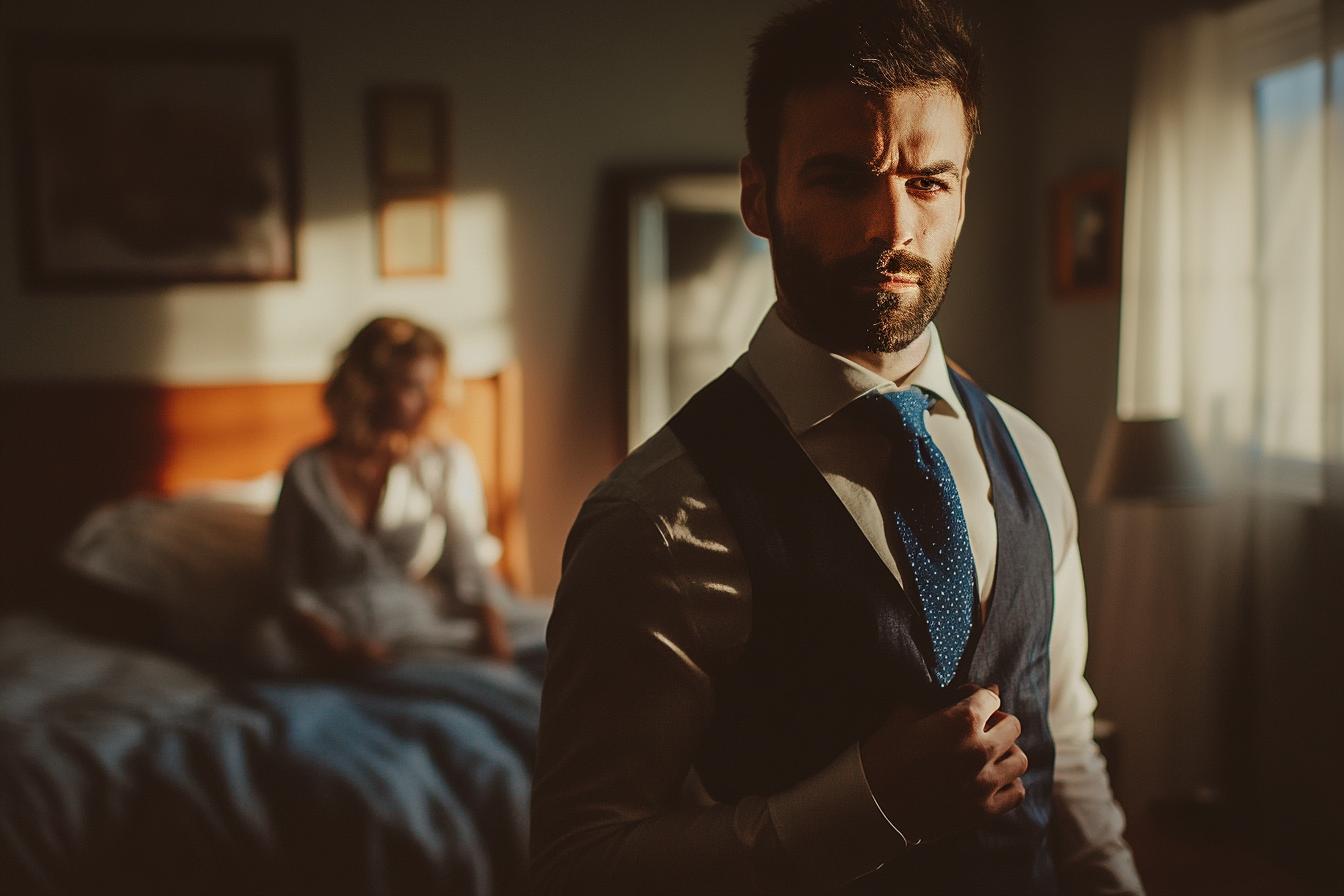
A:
(935, 774)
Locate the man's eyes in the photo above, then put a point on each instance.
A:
(857, 182)
(927, 184)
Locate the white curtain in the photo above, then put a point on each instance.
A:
(1223, 281)
(1223, 324)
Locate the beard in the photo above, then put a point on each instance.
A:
(840, 303)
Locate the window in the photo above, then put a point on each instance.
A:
(1231, 309)
(1290, 280)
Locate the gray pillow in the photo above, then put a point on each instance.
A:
(200, 560)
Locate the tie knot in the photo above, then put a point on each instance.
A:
(901, 412)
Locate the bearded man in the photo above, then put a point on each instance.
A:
(826, 630)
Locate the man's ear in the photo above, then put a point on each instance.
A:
(961, 215)
(755, 213)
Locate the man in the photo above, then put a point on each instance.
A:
(826, 629)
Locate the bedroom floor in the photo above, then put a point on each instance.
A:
(1177, 859)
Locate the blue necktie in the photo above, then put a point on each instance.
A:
(928, 515)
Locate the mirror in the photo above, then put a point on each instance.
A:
(700, 282)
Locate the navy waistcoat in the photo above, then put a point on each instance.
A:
(836, 643)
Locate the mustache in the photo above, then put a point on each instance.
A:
(885, 263)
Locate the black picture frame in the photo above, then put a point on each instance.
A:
(155, 163)
(409, 139)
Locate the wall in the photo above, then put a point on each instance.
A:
(988, 317)
(1208, 689)
(280, 331)
(1083, 66)
(546, 98)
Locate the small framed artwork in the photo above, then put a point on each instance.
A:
(411, 239)
(155, 163)
(1086, 236)
(410, 170)
(408, 128)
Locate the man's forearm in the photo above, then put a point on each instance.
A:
(718, 849)
(816, 836)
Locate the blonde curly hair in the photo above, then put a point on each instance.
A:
(382, 348)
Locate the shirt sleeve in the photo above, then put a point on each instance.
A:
(297, 532)
(626, 705)
(1087, 824)
(464, 499)
(1087, 827)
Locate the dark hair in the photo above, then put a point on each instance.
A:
(877, 45)
(382, 347)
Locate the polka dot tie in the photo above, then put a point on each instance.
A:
(927, 511)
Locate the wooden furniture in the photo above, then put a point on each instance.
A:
(67, 447)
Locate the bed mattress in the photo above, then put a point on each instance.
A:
(122, 770)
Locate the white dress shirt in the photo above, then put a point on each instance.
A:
(412, 580)
(656, 597)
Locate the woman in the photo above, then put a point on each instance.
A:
(378, 538)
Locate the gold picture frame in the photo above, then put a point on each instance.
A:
(1087, 215)
(412, 238)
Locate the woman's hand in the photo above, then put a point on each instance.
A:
(370, 652)
(342, 650)
(494, 633)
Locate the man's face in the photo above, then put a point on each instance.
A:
(866, 207)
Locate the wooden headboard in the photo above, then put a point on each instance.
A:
(67, 447)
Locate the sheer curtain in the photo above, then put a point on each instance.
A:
(1223, 282)
(1229, 321)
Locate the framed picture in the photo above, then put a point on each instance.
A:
(1086, 240)
(409, 167)
(155, 163)
(408, 130)
(411, 239)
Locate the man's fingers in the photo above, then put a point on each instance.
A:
(1002, 738)
(1013, 762)
(1008, 798)
(1003, 724)
(997, 777)
(981, 705)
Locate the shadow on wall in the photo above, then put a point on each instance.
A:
(67, 447)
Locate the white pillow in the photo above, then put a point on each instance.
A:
(201, 559)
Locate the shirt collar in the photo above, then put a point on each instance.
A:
(810, 384)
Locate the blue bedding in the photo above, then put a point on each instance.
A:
(124, 771)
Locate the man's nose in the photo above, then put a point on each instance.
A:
(891, 217)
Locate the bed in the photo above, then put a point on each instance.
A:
(135, 758)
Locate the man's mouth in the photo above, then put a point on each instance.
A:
(888, 283)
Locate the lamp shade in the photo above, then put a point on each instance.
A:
(1147, 460)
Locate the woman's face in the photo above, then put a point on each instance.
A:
(408, 396)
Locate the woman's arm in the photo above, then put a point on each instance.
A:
(461, 567)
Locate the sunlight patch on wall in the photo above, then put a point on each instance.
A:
(469, 305)
(284, 331)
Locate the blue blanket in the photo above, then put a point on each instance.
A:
(123, 771)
